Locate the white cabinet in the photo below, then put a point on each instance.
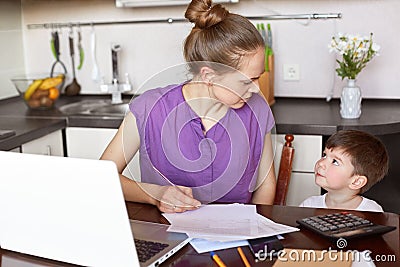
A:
(308, 149)
(90, 143)
(51, 144)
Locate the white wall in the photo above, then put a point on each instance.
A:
(12, 58)
(149, 48)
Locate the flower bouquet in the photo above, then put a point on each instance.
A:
(356, 52)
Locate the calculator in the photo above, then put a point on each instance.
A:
(343, 225)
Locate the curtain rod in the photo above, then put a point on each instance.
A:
(172, 20)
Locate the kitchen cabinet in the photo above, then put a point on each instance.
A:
(50, 144)
(17, 149)
(90, 143)
(308, 149)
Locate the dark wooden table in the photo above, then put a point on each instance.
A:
(381, 246)
(384, 247)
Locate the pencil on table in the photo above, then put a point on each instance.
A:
(217, 259)
(244, 259)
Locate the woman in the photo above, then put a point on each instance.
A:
(207, 139)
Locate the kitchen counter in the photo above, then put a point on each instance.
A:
(27, 129)
(316, 116)
(32, 124)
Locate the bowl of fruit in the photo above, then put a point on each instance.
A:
(39, 91)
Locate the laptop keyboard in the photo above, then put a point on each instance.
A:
(147, 249)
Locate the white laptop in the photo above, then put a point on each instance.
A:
(72, 210)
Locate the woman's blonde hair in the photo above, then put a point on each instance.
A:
(218, 36)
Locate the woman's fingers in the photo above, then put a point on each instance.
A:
(186, 190)
(178, 199)
(166, 207)
(185, 199)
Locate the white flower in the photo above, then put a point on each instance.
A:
(356, 51)
(376, 47)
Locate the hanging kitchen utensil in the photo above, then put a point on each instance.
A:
(96, 76)
(73, 88)
(265, 37)
(266, 80)
(55, 46)
(271, 98)
(52, 46)
(80, 48)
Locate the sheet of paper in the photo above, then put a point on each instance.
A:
(265, 228)
(268, 227)
(216, 219)
(214, 211)
(217, 238)
(225, 222)
(202, 245)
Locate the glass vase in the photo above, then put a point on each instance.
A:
(350, 101)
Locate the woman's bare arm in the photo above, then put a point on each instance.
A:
(121, 150)
(266, 182)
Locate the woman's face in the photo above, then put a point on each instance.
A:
(235, 88)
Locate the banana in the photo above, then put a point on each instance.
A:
(51, 82)
(32, 88)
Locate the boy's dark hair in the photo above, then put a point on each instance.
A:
(368, 154)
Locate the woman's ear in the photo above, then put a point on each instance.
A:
(207, 74)
(358, 182)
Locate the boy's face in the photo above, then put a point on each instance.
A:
(334, 170)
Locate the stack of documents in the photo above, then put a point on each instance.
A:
(221, 223)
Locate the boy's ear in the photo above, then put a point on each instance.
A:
(358, 182)
(207, 74)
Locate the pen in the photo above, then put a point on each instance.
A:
(217, 259)
(244, 259)
(171, 183)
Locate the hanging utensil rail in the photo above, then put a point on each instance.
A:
(173, 20)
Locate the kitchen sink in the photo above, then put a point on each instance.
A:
(119, 109)
(99, 107)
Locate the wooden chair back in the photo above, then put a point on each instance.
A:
(285, 171)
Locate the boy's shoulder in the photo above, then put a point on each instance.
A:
(369, 205)
(314, 202)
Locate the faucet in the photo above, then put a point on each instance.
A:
(115, 88)
(115, 48)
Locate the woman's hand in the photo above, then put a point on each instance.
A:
(177, 199)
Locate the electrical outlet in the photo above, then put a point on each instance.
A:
(291, 72)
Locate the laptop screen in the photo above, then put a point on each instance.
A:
(66, 209)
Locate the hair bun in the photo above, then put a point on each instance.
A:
(204, 15)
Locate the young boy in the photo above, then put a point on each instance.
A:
(352, 162)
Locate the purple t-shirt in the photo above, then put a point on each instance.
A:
(220, 166)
